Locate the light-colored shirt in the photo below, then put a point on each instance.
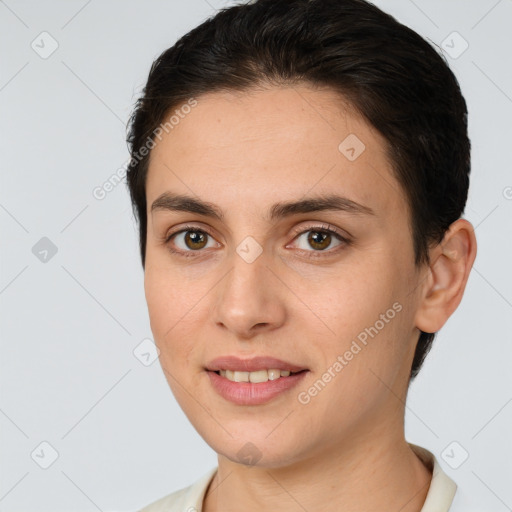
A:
(440, 497)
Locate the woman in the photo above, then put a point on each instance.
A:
(299, 171)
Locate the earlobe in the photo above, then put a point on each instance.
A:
(450, 264)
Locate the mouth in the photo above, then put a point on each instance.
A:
(253, 381)
(233, 367)
(257, 376)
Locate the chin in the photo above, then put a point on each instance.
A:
(257, 450)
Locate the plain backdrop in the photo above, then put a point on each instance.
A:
(86, 422)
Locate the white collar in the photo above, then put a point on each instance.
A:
(442, 487)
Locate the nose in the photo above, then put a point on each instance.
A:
(250, 299)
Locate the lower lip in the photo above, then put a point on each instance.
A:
(250, 393)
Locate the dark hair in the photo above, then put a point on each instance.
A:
(396, 80)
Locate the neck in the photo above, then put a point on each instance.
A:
(364, 473)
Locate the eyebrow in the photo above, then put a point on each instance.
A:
(184, 203)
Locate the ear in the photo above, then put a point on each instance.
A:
(450, 263)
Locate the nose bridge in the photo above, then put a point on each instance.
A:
(246, 283)
(247, 297)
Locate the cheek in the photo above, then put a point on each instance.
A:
(358, 295)
(171, 315)
(367, 311)
(159, 297)
(359, 367)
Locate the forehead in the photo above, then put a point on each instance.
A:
(258, 147)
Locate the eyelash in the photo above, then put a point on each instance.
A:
(324, 228)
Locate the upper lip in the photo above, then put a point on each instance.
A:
(252, 364)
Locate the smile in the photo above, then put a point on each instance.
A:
(255, 377)
(253, 381)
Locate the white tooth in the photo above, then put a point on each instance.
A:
(274, 374)
(258, 376)
(241, 377)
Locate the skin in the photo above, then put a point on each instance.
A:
(345, 450)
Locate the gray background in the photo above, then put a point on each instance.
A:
(70, 321)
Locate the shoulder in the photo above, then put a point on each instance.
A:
(187, 499)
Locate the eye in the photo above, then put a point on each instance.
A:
(320, 238)
(190, 240)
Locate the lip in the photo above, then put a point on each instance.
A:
(252, 364)
(250, 393)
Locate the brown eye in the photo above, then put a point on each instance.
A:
(189, 241)
(195, 239)
(319, 240)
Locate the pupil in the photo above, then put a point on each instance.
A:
(322, 237)
(195, 237)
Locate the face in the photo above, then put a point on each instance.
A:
(293, 251)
